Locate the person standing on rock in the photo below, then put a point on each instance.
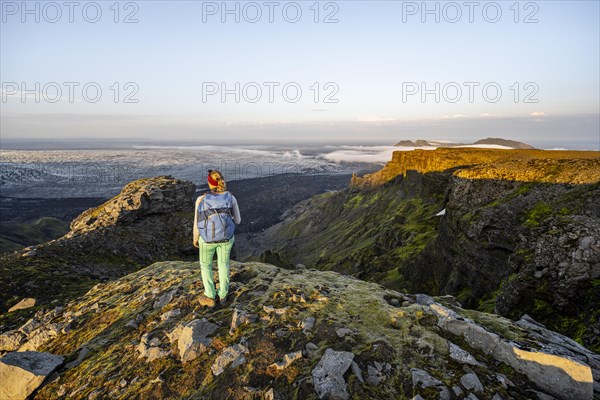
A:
(215, 217)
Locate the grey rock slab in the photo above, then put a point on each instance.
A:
(239, 318)
(472, 383)
(462, 356)
(149, 348)
(308, 324)
(424, 300)
(504, 381)
(175, 333)
(231, 357)
(25, 371)
(444, 393)
(328, 375)
(163, 300)
(40, 336)
(457, 390)
(374, 376)
(543, 396)
(342, 332)
(423, 378)
(311, 349)
(193, 339)
(30, 326)
(559, 374)
(356, 371)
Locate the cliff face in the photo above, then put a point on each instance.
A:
(287, 334)
(516, 248)
(517, 236)
(507, 164)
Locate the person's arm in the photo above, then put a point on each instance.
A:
(196, 233)
(236, 211)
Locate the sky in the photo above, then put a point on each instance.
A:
(328, 71)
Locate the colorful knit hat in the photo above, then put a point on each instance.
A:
(216, 182)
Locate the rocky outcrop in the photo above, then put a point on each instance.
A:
(150, 220)
(558, 371)
(328, 375)
(514, 165)
(137, 200)
(231, 357)
(23, 372)
(393, 345)
(193, 339)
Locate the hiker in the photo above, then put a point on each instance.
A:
(216, 214)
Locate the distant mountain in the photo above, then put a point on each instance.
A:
(504, 142)
(487, 143)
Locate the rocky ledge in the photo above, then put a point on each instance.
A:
(524, 165)
(138, 199)
(285, 334)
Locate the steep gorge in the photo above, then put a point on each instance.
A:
(519, 233)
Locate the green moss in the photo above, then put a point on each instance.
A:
(488, 302)
(564, 211)
(519, 191)
(537, 214)
(525, 254)
(464, 295)
(393, 279)
(524, 188)
(468, 217)
(541, 306)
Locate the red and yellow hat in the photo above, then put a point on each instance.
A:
(215, 181)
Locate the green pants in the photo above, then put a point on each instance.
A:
(207, 252)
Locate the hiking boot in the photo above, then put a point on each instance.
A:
(223, 302)
(206, 301)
